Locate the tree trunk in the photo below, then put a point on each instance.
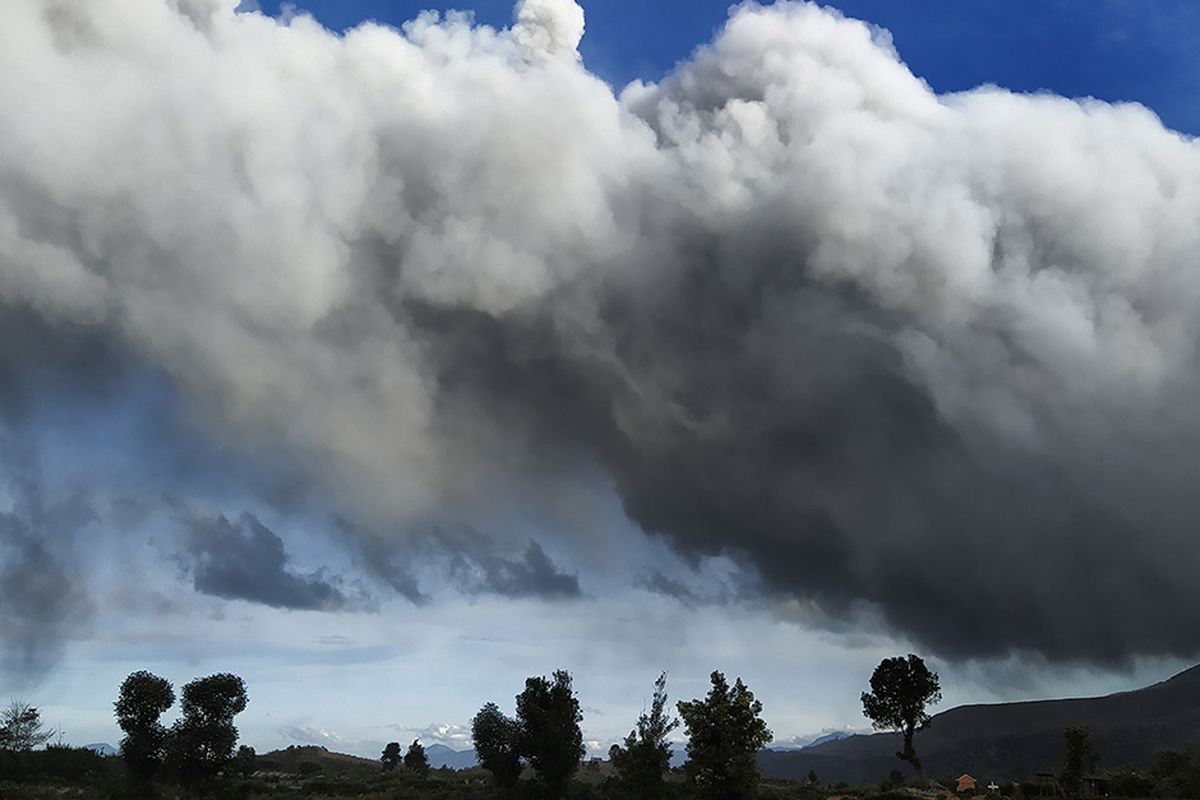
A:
(909, 754)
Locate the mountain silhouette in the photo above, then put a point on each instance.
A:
(1012, 741)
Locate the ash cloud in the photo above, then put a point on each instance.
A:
(926, 359)
(245, 560)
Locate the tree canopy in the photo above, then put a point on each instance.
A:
(201, 741)
(21, 727)
(645, 756)
(901, 689)
(497, 740)
(142, 699)
(725, 733)
(550, 736)
(415, 760)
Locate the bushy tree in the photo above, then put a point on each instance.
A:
(201, 742)
(550, 736)
(1079, 760)
(21, 727)
(415, 760)
(901, 689)
(142, 699)
(391, 757)
(725, 733)
(497, 741)
(640, 763)
(246, 761)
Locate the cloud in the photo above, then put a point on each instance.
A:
(532, 574)
(42, 596)
(928, 359)
(245, 560)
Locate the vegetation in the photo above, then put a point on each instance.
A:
(142, 699)
(534, 755)
(725, 733)
(901, 690)
(497, 740)
(642, 762)
(21, 727)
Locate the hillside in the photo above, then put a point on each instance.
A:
(1007, 741)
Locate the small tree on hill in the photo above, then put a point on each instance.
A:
(415, 760)
(392, 757)
(646, 755)
(725, 733)
(201, 742)
(497, 741)
(901, 688)
(142, 699)
(550, 737)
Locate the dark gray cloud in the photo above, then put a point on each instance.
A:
(475, 570)
(40, 590)
(245, 560)
(930, 360)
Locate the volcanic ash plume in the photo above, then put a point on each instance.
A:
(931, 357)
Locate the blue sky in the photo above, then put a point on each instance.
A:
(1114, 50)
(186, 474)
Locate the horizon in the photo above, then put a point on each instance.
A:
(386, 365)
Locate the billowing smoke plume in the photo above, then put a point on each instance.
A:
(934, 357)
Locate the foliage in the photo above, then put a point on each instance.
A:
(201, 741)
(21, 727)
(1130, 782)
(550, 736)
(901, 689)
(142, 699)
(391, 756)
(1080, 759)
(245, 762)
(497, 740)
(646, 755)
(725, 733)
(415, 760)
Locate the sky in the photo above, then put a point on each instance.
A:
(386, 359)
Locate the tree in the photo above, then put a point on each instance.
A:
(497, 740)
(1080, 759)
(21, 727)
(725, 733)
(201, 741)
(142, 699)
(415, 760)
(901, 688)
(550, 737)
(391, 757)
(245, 762)
(646, 755)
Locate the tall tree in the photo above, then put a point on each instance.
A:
(640, 764)
(901, 689)
(201, 741)
(551, 739)
(21, 727)
(497, 740)
(142, 699)
(1079, 761)
(391, 757)
(725, 733)
(415, 760)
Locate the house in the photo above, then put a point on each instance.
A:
(965, 784)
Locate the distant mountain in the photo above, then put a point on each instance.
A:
(441, 756)
(1011, 741)
(834, 736)
(102, 748)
